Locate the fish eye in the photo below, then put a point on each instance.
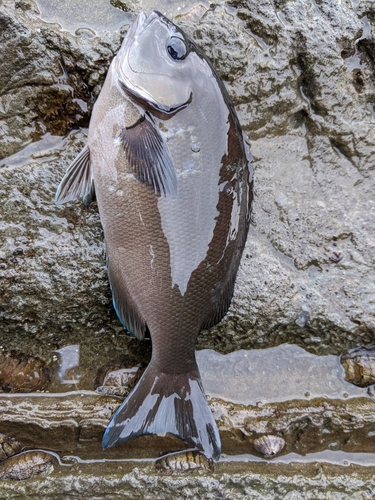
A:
(176, 48)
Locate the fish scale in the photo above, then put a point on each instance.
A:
(173, 182)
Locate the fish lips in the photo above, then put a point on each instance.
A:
(135, 77)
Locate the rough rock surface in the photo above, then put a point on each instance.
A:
(74, 424)
(49, 78)
(306, 98)
(133, 481)
(301, 75)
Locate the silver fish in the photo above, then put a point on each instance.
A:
(171, 169)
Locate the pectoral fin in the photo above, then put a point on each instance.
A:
(148, 156)
(90, 196)
(78, 181)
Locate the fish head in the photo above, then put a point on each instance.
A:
(157, 64)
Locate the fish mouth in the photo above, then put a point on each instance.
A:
(148, 20)
(142, 21)
(127, 67)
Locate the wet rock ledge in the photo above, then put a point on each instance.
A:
(70, 426)
(261, 481)
(74, 423)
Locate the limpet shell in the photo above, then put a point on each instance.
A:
(185, 462)
(22, 373)
(269, 445)
(118, 377)
(8, 447)
(359, 366)
(26, 465)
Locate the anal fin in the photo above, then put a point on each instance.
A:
(124, 306)
(90, 196)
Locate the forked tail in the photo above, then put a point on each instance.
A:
(161, 403)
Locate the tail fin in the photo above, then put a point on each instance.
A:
(162, 403)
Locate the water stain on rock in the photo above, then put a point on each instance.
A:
(22, 373)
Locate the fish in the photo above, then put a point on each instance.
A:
(171, 170)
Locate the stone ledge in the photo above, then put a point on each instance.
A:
(235, 481)
(74, 423)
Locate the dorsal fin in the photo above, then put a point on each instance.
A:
(78, 181)
(148, 156)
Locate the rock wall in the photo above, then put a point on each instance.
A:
(302, 76)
